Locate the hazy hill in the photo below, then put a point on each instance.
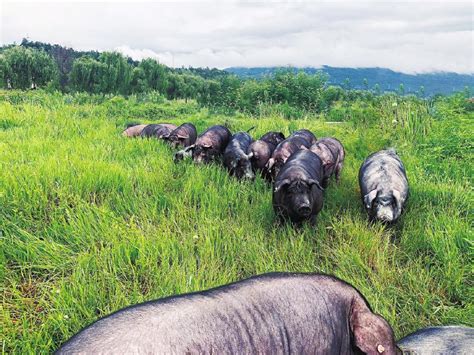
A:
(388, 80)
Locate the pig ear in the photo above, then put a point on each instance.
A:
(181, 136)
(371, 333)
(302, 147)
(316, 183)
(281, 184)
(369, 198)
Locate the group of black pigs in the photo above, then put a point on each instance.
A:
(276, 313)
(299, 166)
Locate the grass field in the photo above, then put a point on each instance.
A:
(91, 222)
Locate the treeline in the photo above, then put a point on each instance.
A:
(288, 92)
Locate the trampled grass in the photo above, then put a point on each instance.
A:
(91, 222)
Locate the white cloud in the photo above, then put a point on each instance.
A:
(409, 36)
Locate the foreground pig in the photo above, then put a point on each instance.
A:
(282, 152)
(159, 130)
(439, 340)
(331, 153)
(297, 192)
(306, 134)
(383, 185)
(133, 130)
(209, 146)
(236, 159)
(277, 313)
(183, 136)
(261, 150)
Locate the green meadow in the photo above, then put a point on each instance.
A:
(91, 222)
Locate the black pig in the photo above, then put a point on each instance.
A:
(331, 152)
(209, 145)
(297, 193)
(183, 136)
(277, 313)
(157, 130)
(282, 152)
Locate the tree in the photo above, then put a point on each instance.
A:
(86, 75)
(154, 74)
(366, 84)
(401, 89)
(24, 68)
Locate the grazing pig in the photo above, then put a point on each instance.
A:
(273, 138)
(383, 185)
(297, 192)
(282, 152)
(260, 151)
(133, 130)
(236, 159)
(209, 145)
(306, 134)
(159, 130)
(331, 152)
(439, 340)
(276, 313)
(184, 136)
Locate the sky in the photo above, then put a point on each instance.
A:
(407, 36)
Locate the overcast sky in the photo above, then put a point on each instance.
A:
(407, 36)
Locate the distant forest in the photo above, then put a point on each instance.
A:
(33, 65)
(368, 78)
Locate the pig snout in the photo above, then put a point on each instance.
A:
(304, 210)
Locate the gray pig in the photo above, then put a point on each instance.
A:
(331, 152)
(236, 159)
(276, 313)
(297, 192)
(439, 340)
(383, 185)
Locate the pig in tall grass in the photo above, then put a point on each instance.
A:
(133, 130)
(276, 313)
(297, 191)
(158, 130)
(261, 150)
(331, 152)
(183, 136)
(383, 185)
(283, 151)
(236, 159)
(209, 146)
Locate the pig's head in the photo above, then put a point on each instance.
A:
(184, 153)
(298, 194)
(241, 167)
(385, 206)
(176, 140)
(372, 334)
(204, 153)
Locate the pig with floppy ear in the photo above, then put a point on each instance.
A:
(371, 333)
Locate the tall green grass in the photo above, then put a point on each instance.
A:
(91, 222)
